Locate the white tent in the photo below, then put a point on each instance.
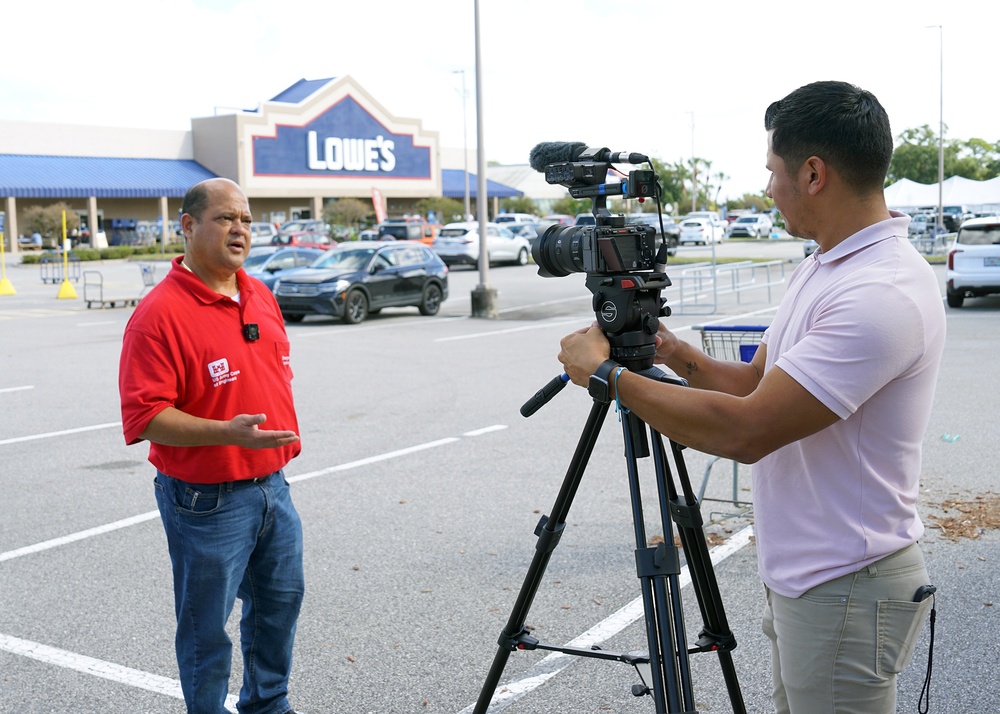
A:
(977, 196)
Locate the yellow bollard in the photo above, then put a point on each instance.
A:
(5, 285)
(66, 291)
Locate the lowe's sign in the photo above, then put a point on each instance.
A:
(344, 141)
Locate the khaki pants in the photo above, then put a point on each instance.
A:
(838, 648)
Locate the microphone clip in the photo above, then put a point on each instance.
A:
(251, 332)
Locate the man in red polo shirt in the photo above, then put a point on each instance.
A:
(204, 365)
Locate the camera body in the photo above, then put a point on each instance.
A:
(624, 265)
(612, 247)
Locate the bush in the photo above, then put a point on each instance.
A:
(110, 253)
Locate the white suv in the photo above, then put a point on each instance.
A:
(974, 261)
(458, 243)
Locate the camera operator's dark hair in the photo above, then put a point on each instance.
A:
(842, 124)
(196, 200)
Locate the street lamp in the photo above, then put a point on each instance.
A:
(465, 145)
(940, 213)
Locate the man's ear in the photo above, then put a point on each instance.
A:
(812, 173)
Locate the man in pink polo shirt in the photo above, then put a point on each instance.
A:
(832, 410)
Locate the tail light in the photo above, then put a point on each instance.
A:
(951, 259)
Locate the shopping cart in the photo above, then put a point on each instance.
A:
(731, 342)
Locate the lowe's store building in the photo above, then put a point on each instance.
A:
(317, 140)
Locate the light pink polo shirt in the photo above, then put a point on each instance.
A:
(862, 328)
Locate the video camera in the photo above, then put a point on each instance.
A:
(625, 268)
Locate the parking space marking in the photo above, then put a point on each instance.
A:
(137, 678)
(64, 432)
(98, 668)
(551, 665)
(16, 389)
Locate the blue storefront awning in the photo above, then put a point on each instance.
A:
(24, 176)
(453, 186)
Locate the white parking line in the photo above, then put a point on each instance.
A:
(137, 678)
(15, 389)
(98, 668)
(64, 432)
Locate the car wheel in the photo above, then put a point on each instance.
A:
(431, 301)
(672, 247)
(522, 256)
(955, 298)
(292, 318)
(355, 307)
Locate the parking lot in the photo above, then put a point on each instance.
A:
(419, 487)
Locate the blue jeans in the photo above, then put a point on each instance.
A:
(242, 538)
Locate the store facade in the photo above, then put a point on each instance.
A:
(315, 141)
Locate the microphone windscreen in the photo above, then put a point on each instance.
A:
(554, 152)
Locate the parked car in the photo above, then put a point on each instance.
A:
(561, 218)
(458, 243)
(359, 278)
(921, 225)
(809, 247)
(755, 226)
(304, 225)
(700, 231)
(528, 231)
(671, 231)
(267, 263)
(974, 261)
(304, 240)
(262, 233)
(507, 218)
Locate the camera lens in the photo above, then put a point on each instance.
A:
(559, 251)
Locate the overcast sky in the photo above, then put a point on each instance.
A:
(655, 76)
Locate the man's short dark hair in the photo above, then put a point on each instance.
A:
(842, 124)
(196, 200)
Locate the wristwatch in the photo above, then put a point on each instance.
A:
(599, 386)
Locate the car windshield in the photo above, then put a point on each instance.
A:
(980, 235)
(253, 262)
(350, 259)
(746, 219)
(453, 232)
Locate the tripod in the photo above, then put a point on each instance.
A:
(665, 672)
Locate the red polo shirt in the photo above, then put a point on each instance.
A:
(185, 347)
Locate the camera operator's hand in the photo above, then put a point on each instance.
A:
(666, 344)
(582, 353)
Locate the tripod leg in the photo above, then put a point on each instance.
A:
(658, 570)
(685, 512)
(549, 531)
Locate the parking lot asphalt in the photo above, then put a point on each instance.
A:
(419, 487)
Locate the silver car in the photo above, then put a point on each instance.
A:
(458, 244)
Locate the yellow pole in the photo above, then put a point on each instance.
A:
(5, 287)
(66, 290)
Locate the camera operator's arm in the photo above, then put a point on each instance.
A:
(705, 372)
(745, 428)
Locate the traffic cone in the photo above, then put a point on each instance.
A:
(6, 288)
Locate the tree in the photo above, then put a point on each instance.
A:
(350, 212)
(48, 220)
(519, 204)
(917, 155)
(446, 210)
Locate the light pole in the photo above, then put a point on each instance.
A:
(465, 145)
(940, 211)
(484, 297)
(694, 171)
